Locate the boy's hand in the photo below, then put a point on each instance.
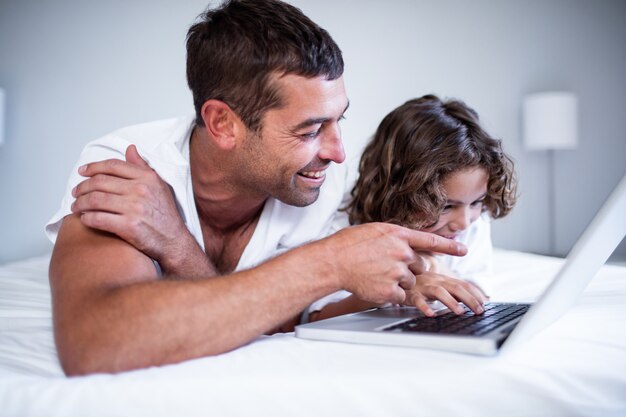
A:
(450, 291)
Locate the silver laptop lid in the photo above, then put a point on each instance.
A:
(590, 252)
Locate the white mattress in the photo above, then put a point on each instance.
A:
(576, 367)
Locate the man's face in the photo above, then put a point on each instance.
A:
(297, 142)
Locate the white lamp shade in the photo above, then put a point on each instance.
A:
(550, 121)
(2, 105)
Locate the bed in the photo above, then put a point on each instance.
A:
(575, 367)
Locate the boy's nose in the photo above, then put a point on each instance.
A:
(461, 220)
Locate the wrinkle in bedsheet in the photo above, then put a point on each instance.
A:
(575, 367)
(24, 288)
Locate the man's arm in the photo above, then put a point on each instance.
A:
(111, 313)
(130, 200)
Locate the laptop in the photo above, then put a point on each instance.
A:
(503, 326)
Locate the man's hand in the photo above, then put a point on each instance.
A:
(130, 200)
(378, 262)
(430, 263)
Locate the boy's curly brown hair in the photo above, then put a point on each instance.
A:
(415, 147)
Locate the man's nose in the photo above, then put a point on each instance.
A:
(332, 145)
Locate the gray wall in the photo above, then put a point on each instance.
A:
(74, 70)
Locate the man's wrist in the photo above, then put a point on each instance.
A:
(186, 260)
(323, 263)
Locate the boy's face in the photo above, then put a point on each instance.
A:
(466, 190)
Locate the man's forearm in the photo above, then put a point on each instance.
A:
(188, 261)
(112, 314)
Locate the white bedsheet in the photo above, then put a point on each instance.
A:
(576, 367)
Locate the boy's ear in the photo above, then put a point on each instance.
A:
(221, 122)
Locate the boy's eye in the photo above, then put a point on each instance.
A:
(476, 203)
(447, 207)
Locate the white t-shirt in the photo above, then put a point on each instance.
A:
(165, 146)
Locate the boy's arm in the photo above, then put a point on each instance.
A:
(350, 304)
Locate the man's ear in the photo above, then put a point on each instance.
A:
(221, 122)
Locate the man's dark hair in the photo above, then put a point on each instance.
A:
(235, 51)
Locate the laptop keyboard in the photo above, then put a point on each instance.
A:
(467, 323)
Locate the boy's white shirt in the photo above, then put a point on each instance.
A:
(477, 265)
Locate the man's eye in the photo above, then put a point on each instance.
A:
(447, 207)
(476, 203)
(311, 135)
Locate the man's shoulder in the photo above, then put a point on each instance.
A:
(146, 136)
(155, 126)
(153, 132)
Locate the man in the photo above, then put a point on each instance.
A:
(140, 278)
